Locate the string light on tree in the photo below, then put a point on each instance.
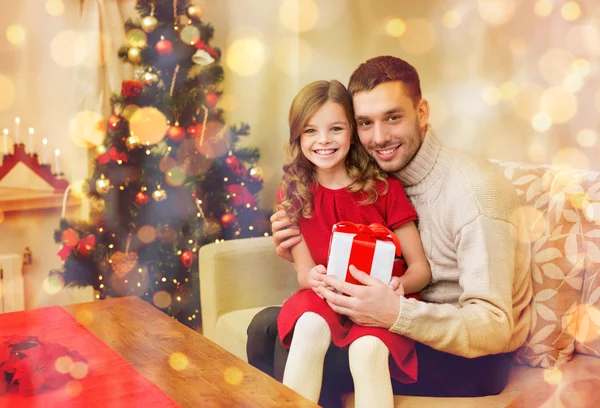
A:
(102, 185)
(159, 195)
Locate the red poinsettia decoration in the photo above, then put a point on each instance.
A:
(70, 240)
(27, 365)
(240, 196)
(112, 155)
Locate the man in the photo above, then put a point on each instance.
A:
(475, 312)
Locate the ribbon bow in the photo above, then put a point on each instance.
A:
(112, 155)
(201, 45)
(84, 246)
(373, 232)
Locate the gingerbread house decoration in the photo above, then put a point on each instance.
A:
(22, 170)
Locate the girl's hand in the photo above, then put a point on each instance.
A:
(396, 285)
(316, 277)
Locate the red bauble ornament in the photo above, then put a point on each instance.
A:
(114, 121)
(141, 198)
(164, 47)
(195, 129)
(240, 196)
(187, 258)
(227, 220)
(235, 166)
(211, 99)
(176, 133)
(69, 237)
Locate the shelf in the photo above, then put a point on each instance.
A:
(15, 199)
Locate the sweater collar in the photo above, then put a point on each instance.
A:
(423, 162)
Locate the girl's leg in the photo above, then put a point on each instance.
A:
(304, 368)
(371, 373)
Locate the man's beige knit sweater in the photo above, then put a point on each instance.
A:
(478, 300)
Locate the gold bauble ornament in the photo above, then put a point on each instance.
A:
(149, 24)
(256, 172)
(194, 11)
(102, 185)
(135, 55)
(132, 142)
(159, 195)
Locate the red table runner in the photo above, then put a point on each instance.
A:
(110, 381)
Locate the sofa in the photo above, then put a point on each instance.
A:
(558, 366)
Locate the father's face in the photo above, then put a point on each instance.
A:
(389, 126)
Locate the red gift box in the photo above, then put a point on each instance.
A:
(370, 248)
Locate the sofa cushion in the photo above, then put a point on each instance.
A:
(231, 330)
(557, 269)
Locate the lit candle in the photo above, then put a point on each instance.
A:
(44, 143)
(17, 121)
(31, 131)
(57, 153)
(5, 141)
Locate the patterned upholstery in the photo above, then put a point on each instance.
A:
(562, 209)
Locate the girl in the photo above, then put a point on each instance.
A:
(329, 178)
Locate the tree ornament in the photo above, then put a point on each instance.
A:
(176, 133)
(114, 121)
(69, 237)
(195, 129)
(132, 142)
(235, 166)
(101, 149)
(159, 195)
(150, 78)
(135, 55)
(202, 57)
(141, 198)
(102, 185)
(240, 196)
(149, 23)
(164, 47)
(256, 172)
(227, 220)
(211, 99)
(123, 263)
(194, 11)
(187, 258)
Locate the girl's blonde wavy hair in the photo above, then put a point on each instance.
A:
(299, 173)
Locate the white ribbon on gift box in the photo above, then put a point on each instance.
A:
(339, 255)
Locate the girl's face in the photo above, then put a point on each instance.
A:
(325, 139)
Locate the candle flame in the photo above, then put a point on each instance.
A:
(17, 120)
(5, 131)
(45, 141)
(57, 152)
(31, 131)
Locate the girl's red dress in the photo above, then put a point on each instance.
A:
(330, 207)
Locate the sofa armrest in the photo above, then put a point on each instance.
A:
(241, 274)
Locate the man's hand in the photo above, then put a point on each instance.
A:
(316, 279)
(285, 234)
(374, 305)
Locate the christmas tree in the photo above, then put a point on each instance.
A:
(169, 176)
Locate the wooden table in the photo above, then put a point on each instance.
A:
(203, 375)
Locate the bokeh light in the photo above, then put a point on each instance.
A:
(16, 34)
(395, 27)
(586, 332)
(233, 375)
(190, 34)
(526, 102)
(136, 37)
(79, 370)
(555, 65)
(246, 56)
(583, 40)
(492, 95)
(68, 48)
(85, 317)
(7, 96)
(73, 388)
(451, 19)
(573, 83)
(292, 55)
(129, 110)
(586, 138)
(543, 8)
(55, 7)
(570, 11)
(147, 234)
(148, 124)
(53, 284)
(178, 361)
(63, 364)
(572, 158)
(419, 37)
(162, 299)
(581, 67)
(176, 176)
(541, 122)
(87, 129)
(508, 90)
(299, 15)
(496, 12)
(559, 103)
(552, 376)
